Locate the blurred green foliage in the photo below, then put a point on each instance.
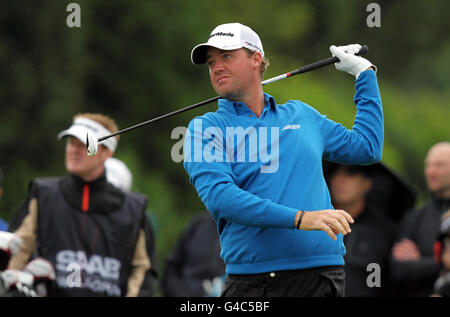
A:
(131, 60)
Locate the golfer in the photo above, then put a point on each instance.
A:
(279, 233)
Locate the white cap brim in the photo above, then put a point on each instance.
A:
(198, 55)
(77, 132)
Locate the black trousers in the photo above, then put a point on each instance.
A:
(316, 282)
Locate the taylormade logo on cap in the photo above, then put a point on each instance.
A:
(230, 36)
(220, 34)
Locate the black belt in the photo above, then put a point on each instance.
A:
(287, 273)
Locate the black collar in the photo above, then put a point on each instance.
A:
(103, 196)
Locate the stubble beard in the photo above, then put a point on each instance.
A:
(232, 94)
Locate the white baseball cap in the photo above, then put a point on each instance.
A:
(118, 174)
(81, 126)
(229, 36)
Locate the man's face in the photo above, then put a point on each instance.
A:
(348, 188)
(437, 170)
(232, 72)
(82, 165)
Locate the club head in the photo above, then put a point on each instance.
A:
(91, 145)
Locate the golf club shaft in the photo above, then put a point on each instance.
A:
(324, 62)
(205, 102)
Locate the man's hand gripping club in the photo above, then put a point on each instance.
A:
(348, 61)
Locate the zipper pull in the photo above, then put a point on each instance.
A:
(85, 199)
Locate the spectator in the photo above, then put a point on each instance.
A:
(413, 267)
(373, 233)
(442, 254)
(3, 223)
(95, 235)
(195, 264)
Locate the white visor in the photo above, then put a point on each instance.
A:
(80, 128)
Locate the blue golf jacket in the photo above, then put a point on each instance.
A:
(254, 174)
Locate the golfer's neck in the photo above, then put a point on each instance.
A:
(255, 101)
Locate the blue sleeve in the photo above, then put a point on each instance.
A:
(362, 144)
(225, 200)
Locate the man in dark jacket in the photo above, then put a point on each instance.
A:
(195, 266)
(373, 232)
(442, 255)
(413, 267)
(96, 236)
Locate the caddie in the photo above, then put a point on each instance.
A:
(95, 235)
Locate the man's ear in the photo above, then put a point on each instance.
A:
(257, 59)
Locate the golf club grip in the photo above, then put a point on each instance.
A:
(324, 62)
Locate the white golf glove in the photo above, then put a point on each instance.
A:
(348, 61)
(17, 283)
(43, 275)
